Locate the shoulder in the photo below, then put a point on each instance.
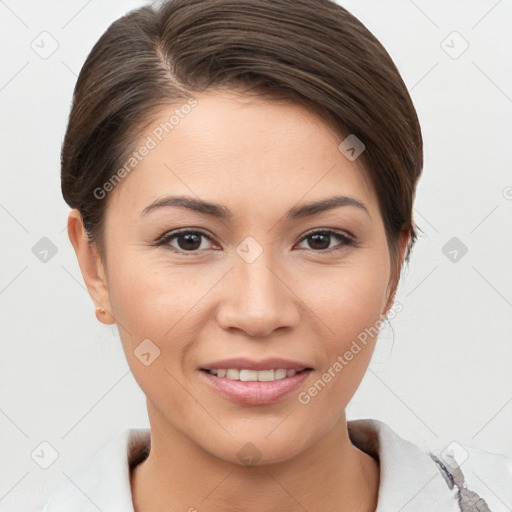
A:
(103, 483)
(459, 478)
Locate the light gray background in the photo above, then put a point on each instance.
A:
(441, 374)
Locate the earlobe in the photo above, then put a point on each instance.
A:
(91, 267)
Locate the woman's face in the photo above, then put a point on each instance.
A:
(255, 285)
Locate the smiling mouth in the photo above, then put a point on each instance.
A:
(254, 375)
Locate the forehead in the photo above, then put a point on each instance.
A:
(237, 149)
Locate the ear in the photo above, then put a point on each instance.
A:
(91, 266)
(403, 240)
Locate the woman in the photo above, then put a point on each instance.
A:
(241, 176)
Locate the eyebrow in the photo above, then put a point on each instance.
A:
(221, 212)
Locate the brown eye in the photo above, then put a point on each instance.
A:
(185, 241)
(189, 241)
(321, 240)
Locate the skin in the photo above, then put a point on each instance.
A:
(297, 300)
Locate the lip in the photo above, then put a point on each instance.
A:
(242, 363)
(256, 392)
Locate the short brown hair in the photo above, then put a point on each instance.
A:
(312, 52)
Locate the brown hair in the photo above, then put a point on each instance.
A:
(313, 52)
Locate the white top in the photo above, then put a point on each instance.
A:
(410, 479)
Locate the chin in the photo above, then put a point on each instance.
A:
(256, 449)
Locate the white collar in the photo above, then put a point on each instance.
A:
(409, 479)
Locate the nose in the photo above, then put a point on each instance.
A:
(258, 298)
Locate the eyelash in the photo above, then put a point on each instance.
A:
(344, 239)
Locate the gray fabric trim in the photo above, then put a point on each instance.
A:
(469, 501)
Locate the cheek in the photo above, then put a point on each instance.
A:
(347, 299)
(153, 299)
(349, 307)
(151, 307)
(136, 295)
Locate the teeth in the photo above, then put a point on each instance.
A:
(281, 374)
(253, 375)
(233, 374)
(266, 375)
(248, 375)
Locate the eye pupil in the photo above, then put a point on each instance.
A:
(317, 237)
(193, 238)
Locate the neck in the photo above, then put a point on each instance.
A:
(332, 475)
